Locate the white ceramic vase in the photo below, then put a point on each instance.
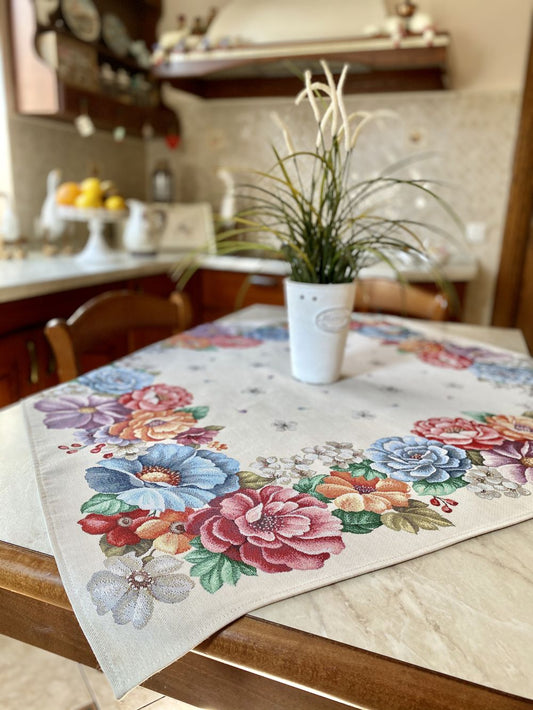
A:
(319, 320)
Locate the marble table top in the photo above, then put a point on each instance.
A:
(466, 610)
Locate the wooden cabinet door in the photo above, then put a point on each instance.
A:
(513, 303)
(217, 293)
(26, 365)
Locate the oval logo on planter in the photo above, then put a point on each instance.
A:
(332, 320)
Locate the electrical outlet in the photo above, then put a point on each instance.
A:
(476, 232)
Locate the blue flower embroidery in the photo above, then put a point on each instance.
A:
(414, 458)
(391, 332)
(269, 332)
(167, 476)
(508, 375)
(116, 380)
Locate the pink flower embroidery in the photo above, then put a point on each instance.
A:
(437, 355)
(274, 529)
(156, 398)
(514, 459)
(234, 341)
(464, 433)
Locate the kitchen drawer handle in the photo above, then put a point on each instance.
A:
(262, 280)
(34, 365)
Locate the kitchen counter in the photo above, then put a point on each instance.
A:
(38, 275)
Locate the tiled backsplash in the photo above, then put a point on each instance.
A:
(470, 136)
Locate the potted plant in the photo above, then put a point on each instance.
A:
(326, 226)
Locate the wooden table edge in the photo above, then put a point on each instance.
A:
(345, 674)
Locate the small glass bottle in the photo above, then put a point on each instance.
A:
(162, 183)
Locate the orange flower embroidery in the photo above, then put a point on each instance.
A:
(168, 531)
(192, 342)
(514, 428)
(415, 345)
(356, 494)
(153, 426)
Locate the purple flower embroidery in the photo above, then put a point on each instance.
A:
(197, 436)
(513, 458)
(81, 412)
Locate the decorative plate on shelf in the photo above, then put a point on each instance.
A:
(82, 18)
(115, 34)
(44, 10)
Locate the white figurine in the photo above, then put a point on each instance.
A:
(51, 224)
(9, 225)
(227, 206)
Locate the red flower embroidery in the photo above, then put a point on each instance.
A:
(119, 529)
(274, 529)
(464, 433)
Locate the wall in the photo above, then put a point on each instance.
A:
(472, 127)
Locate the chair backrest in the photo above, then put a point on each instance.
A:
(395, 297)
(112, 325)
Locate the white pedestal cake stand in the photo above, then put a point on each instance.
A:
(96, 251)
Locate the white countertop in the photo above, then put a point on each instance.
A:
(38, 275)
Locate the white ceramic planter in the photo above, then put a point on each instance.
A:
(319, 319)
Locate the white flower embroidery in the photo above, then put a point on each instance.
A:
(128, 587)
(489, 483)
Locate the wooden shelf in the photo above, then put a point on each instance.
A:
(45, 89)
(376, 65)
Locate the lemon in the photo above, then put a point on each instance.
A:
(115, 202)
(88, 200)
(91, 186)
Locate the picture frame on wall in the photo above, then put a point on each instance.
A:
(187, 227)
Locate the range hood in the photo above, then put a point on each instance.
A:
(262, 47)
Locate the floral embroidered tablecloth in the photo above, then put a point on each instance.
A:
(196, 480)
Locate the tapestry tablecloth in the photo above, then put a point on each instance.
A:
(195, 480)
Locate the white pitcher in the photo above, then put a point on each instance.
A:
(144, 228)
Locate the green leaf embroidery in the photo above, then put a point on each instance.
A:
(215, 569)
(475, 457)
(249, 479)
(479, 416)
(197, 412)
(359, 523)
(309, 484)
(111, 551)
(106, 504)
(417, 516)
(423, 488)
(364, 469)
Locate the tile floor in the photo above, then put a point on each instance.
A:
(37, 680)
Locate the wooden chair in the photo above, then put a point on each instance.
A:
(112, 325)
(389, 296)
